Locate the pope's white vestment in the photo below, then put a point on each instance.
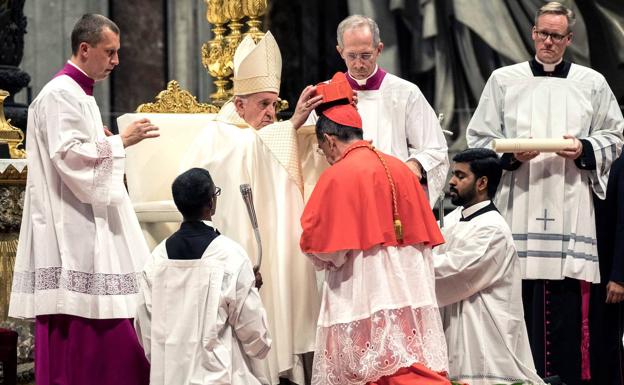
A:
(478, 287)
(80, 247)
(201, 321)
(270, 161)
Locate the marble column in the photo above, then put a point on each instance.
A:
(187, 30)
(142, 69)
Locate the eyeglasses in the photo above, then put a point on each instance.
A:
(366, 56)
(555, 37)
(217, 191)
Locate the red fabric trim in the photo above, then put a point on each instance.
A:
(351, 206)
(412, 375)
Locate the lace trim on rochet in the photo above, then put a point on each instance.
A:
(103, 170)
(53, 278)
(362, 351)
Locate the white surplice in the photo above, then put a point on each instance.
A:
(80, 247)
(400, 122)
(479, 290)
(269, 161)
(548, 200)
(379, 314)
(201, 321)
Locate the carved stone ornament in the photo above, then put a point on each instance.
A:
(176, 100)
(11, 176)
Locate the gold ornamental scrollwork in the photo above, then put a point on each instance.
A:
(176, 100)
(9, 133)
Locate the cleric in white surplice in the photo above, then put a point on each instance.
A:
(478, 281)
(80, 246)
(395, 114)
(546, 198)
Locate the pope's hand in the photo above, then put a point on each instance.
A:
(307, 102)
(137, 131)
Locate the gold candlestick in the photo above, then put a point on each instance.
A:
(233, 10)
(214, 52)
(9, 133)
(254, 10)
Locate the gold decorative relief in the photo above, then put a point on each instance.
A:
(9, 133)
(176, 100)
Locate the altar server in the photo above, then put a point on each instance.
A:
(478, 281)
(200, 320)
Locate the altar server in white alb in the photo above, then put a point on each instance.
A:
(546, 198)
(396, 115)
(478, 281)
(200, 320)
(80, 247)
(245, 145)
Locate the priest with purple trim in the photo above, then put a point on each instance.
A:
(80, 247)
(395, 114)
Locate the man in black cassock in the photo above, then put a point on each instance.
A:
(606, 320)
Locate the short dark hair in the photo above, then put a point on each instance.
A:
(192, 192)
(343, 133)
(89, 30)
(482, 162)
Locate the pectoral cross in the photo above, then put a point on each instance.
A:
(545, 219)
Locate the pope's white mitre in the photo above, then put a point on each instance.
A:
(257, 67)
